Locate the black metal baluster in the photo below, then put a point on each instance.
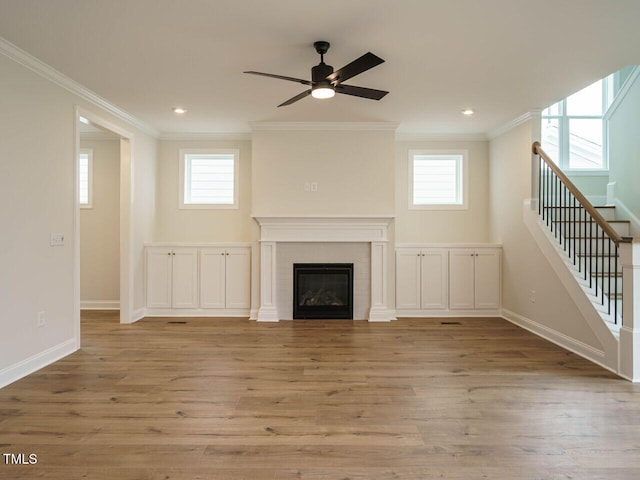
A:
(615, 305)
(596, 259)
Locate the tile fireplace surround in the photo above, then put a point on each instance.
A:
(276, 230)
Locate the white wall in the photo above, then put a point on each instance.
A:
(100, 228)
(524, 268)
(37, 194)
(354, 171)
(624, 150)
(448, 226)
(200, 225)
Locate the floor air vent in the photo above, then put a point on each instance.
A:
(177, 322)
(450, 323)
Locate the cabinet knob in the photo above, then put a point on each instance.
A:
(173, 253)
(222, 253)
(227, 254)
(169, 253)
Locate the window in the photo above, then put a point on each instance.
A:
(573, 129)
(437, 179)
(208, 179)
(85, 177)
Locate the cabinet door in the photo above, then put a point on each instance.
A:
(407, 278)
(185, 278)
(159, 261)
(487, 279)
(212, 278)
(461, 279)
(434, 279)
(238, 277)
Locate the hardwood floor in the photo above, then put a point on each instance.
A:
(234, 399)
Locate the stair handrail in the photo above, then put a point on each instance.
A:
(597, 216)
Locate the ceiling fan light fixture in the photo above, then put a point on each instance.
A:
(323, 92)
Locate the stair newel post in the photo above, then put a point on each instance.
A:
(629, 358)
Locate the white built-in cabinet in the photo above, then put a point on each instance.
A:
(474, 279)
(225, 277)
(421, 282)
(448, 280)
(172, 277)
(198, 280)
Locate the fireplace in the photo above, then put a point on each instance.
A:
(323, 290)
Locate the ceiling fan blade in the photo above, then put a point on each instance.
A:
(362, 64)
(361, 92)
(296, 98)
(281, 77)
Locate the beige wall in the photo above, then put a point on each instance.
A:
(447, 226)
(100, 228)
(37, 194)
(354, 171)
(196, 225)
(524, 268)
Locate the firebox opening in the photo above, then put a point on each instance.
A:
(323, 290)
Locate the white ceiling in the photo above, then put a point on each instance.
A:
(500, 57)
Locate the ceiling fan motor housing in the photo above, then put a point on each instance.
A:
(319, 74)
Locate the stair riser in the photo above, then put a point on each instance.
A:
(589, 246)
(601, 265)
(577, 214)
(580, 229)
(609, 288)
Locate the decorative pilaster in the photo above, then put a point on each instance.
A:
(379, 299)
(630, 331)
(268, 311)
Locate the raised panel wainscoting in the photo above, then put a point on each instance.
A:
(198, 280)
(448, 280)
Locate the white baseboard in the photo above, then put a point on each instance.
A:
(195, 312)
(447, 313)
(99, 305)
(138, 314)
(576, 346)
(36, 362)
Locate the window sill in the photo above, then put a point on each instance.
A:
(586, 173)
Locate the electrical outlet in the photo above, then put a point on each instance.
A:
(532, 296)
(41, 320)
(56, 240)
(314, 186)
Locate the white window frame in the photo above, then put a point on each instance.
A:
(89, 153)
(183, 177)
(563, 132)
(462, 180)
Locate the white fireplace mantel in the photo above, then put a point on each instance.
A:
(368, 229)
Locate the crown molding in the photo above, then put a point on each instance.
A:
(205, 136)
(49, 73)
(441, 137)
(333, 126)
(525, 117)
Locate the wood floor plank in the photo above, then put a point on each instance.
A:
(315, 400)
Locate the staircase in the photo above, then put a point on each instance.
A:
(594, 257)
(590, 237)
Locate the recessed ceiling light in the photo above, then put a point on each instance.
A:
(468, 111)
(179, 110)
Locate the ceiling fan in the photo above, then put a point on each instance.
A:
(325, 83)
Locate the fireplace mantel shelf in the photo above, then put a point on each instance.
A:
(321, 228)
